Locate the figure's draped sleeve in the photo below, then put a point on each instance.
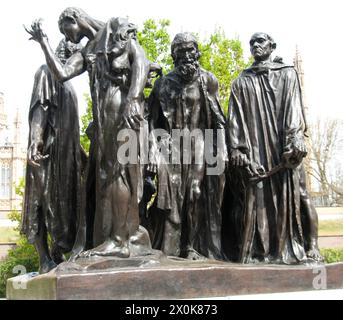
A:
(73, 67)
(157, 125)
(217, 113)
(61, 142)
(154, 112)
(238, 137)
(212, 85)
(43, 95)
(294, 122)
(44, 89)
(214, 184)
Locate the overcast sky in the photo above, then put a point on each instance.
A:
(315, 26)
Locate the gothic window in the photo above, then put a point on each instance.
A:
(5, 181)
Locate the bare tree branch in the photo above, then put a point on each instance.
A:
(325, 142)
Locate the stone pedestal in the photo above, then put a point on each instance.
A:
(168, 278)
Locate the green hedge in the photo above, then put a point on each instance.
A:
(332, 255)
(23, 255)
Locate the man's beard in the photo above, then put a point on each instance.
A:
(188, 69)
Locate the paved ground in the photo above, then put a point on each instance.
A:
(7, 223)
(3, 250)
(325, 217)
(302, 295)
(330, 213)
(330, 210)
(324, 213)
(330, 242)
(324, 242)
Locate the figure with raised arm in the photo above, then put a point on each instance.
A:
(53, 173)
(118, 72)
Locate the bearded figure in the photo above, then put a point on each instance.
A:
(185, 218)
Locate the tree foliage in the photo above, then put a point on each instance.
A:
(24, 254)
(224, 58)
(86, 118)
(155, 40)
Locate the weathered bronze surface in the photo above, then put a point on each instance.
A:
(186, 218)
(53, 175)
(118, 72)
(269, 215)
(254, 209)
(173, 278)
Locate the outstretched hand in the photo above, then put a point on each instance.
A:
(36, 31)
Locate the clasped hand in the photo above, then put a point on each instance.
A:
(132, 115)
(34, 155)
(241, 160)
(293, 157)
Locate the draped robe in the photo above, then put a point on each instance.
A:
(167, 107)
(52, 191)
(265, 120)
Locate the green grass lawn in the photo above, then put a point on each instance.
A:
(330, 227)
(8, 234)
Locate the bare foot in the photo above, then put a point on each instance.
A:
(47, 266)
(261, 260)
(109, 248)
(314, 254)
(57, 255)
(194, 255)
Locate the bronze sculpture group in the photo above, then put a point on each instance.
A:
(248, 205)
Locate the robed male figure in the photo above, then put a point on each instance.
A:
(186, 219)
(271, 218)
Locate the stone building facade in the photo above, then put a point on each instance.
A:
(12, 161)
(298, 64)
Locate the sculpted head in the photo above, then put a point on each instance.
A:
(261, 46)
(76, 24)
(184, 48)
(120, 31)
(66, 49)
(185, 54)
